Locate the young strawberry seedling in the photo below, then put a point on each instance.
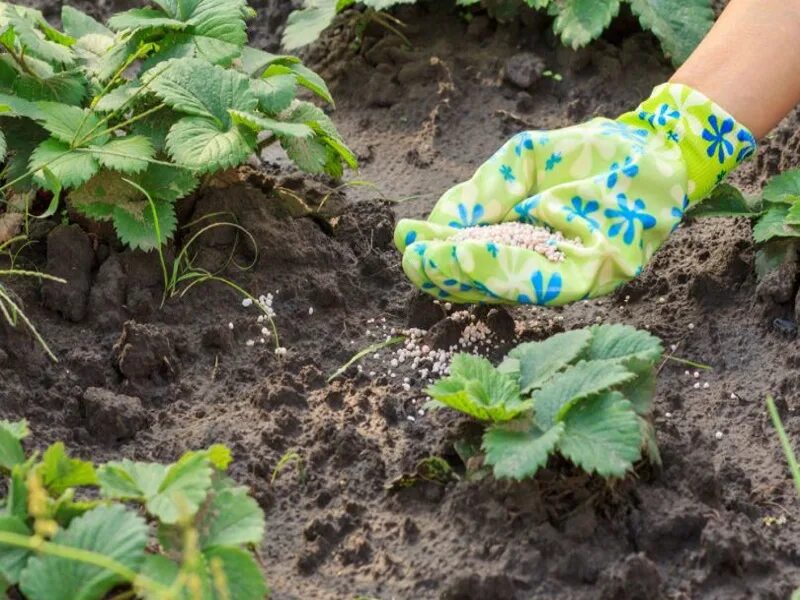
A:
(150, 531)
(585, 394)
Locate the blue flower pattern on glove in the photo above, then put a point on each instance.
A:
(661, 117)
(626, 132)
(507, 173)
(524, 142)
(719, 144)
(544, 294)
(679, 212)
(582, 210)
(749, 147)
(629, 169)
(552, 161)
(467, 220)
(525, 210)
(626, 216)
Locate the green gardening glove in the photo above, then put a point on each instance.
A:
(621, 186)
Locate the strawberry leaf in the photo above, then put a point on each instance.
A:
(517, 450)
(165, 491)
(60, 472)
(623, 343)
(476, 388)
(70, 167)
(112, 531)
(539, 361)
(602, 435)
(680, 25)
(575, 383)
(578, 22)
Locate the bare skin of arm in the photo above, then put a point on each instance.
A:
(749, 63)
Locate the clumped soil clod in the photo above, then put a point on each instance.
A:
(142, 382)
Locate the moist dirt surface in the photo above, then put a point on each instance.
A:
(134, 379)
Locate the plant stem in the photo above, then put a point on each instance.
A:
(690, 363)
(125, 123)
(794, 468)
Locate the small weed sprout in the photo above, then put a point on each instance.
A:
(10, 307)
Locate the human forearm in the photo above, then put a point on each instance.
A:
(750, 62)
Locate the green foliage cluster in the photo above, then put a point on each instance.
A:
(776, 214)
(678, 24)
(71, 530)
(585, 394)
(126, 118)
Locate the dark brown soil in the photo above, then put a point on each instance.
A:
(141, 381)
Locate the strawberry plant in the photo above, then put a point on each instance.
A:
(775, 214)
(152, 101)
(678, 24)
(70, 529)
(584, 394)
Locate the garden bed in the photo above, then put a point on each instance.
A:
(719, 520)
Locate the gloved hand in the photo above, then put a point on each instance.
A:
(621, 186)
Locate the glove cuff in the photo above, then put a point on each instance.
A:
(710, 140)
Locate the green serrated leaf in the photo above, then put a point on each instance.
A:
(67, 87)
(623, 343)
(255, 61)
(517, 450)
(602, 435)
(164, 571)
(538, 361)
(70, 167)
(213, 30)
(578, 22)
(785, 184)
(237, 574)
(260, 123)
(140, 233)
(167, 183)
(476, 388)
(118, 97)
(640, 391)
(13, 559)
(68, 123)
(203, 145)
(305, 25)
(775, 253)
(112, 531)
(680, 25)
(304, 76)
(27, 25)
(725, 201)
(167, 492)
(11, 452)
(232, 519)
(275, 93)
(19, 429)
(16, 503)
(576, 383)
(128, 154)
(772, 224)
(195, 87)
(144, 18)
(60, 472)
(78, 24)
